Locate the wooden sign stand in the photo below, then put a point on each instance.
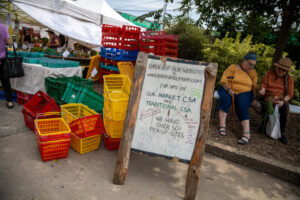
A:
(194, 170)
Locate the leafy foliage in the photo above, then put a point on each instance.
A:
(229, 51)
(158, 16)
(191, 39)
(256, 17)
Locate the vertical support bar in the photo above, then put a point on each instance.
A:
(129, 125)
(193, 176)
(9, 18)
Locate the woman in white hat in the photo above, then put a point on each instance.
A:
(277, 87)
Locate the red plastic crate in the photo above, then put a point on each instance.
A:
(41, 103)
(162, 43)
(111, 44)
(168, 54)
(151, 34)
(54, 149)
(130, 44)
(111, 143)
(29, 118)
(87, 126)
(131, 29)
(23, 97)
(110, 29)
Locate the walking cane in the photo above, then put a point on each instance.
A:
(232, 99)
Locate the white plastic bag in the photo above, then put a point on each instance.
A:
(273, 125)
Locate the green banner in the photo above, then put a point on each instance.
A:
(145, 24)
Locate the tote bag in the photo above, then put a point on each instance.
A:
(12, 68)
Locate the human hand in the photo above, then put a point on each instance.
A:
(280, 103)
(230, 92)
(262, 91)
(254, 103)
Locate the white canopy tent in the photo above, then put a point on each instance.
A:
(80, 20)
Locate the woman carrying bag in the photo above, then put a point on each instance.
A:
(5, 39)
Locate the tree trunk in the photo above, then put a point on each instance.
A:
(283, 36)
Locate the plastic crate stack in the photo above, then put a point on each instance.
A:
(116, 96)
(159, 43)
(119, 44)
(53, 137)
(39, 103)
(56, 87)
(86, 127)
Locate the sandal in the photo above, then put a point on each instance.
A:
(9, 105)
(242, 141)
(222, 131)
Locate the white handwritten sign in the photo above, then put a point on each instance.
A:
(168, 117)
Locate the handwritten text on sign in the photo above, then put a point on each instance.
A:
(169, 111)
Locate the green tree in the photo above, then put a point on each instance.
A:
(158, 15)
(191, 39)
(255, 15)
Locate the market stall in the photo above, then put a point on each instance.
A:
(35, 74)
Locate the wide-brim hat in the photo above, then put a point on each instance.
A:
(49, 31)
(284, 63)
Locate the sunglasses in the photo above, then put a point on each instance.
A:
(251, 64)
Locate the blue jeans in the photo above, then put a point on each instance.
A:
(242, 103)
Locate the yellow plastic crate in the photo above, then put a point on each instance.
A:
(72, 111)
(116, 103)
(84, 145)
(113, 128)
(116, 82)
(126, 68)
(51, 128)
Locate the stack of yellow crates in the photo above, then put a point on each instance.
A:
(116, 96)
(86, 126)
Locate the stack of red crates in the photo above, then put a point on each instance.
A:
(39, 103)
(159, 43)
(125, 38)
(53, 137)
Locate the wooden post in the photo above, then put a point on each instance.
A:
(129, 125)
(193, 176)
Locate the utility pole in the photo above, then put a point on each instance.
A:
(163, 15)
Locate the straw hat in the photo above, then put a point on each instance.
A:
(284, 63)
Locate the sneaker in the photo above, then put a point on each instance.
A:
(283, 139)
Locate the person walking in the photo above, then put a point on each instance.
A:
(5, 82)
(240, 82)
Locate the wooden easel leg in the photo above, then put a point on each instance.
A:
(129, 124)
(193, 176)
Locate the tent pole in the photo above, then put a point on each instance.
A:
(8, 17)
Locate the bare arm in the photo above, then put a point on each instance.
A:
(9, 42)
